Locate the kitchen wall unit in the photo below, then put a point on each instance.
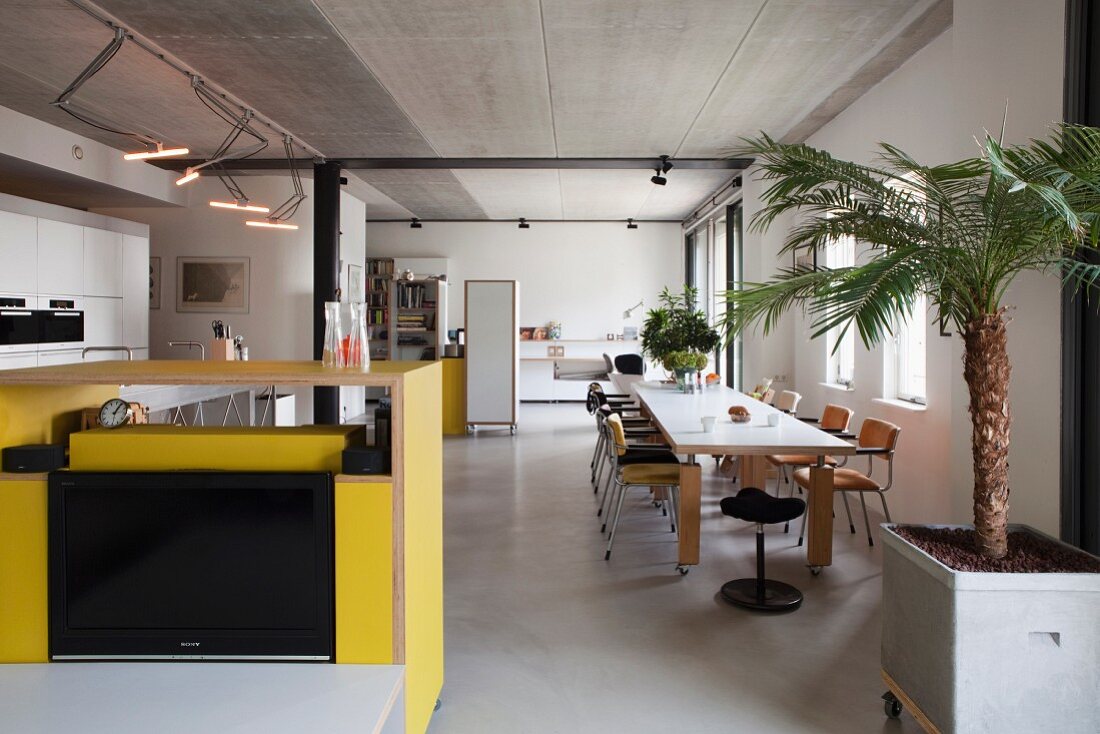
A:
(99, 263)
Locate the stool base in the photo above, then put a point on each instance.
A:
(778, 596)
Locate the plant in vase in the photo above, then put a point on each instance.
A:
(959, 234)
(685, 365)
(678, 326)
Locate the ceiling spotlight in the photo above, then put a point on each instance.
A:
(524, 224)
(630, 224)
(414, 223)
(240, 205)
(160, 152)
(188, 175)
(270, 223)
(658, 179)
(666, 165)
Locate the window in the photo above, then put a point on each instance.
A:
(909, 355)
(842, 358)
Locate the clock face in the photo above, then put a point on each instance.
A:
(114, 413)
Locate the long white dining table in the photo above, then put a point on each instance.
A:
(679, 418)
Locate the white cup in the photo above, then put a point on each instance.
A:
(708, 422)
(773, 419)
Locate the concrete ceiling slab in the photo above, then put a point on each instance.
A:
(627, 78)
(796, 54)
(379, 206)
(428, 194)
(412, 78)
(471, 74)
(285, 59)
(534, 194)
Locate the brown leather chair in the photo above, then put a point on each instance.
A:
(877, 440)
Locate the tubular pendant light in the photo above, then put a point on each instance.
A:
(188, 175)
(279, 218)
(241, 205)
(270, 223)
(160, 152)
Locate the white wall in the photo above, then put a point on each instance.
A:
(933, 107)
(583, 274)
(279, 324)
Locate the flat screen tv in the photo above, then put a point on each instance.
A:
(191, 565)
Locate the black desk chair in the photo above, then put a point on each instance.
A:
(762, 594)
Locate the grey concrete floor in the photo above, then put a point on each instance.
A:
(543, 635)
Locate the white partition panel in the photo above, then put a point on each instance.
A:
(492, 352)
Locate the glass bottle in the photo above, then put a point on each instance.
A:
(358, 339)
(333, 354)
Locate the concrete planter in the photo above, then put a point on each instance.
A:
(991, 652)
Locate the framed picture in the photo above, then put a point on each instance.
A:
(212, 284)
(355, 283)
(154, 282)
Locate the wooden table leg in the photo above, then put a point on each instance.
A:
(819, 533)
(691, 493)
(753, 472)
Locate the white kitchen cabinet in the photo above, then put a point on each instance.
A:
(536, 379)
(18, 253)
(103, 323)
(135, 291)
(50, 359)
(102, 263)
(60, 258)
(18, 361)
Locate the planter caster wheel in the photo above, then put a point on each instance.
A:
(512, 430)
(438, 703)
(891, 705)
(683, 569)
(815, 570)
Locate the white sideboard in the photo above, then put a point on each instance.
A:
(551, 371)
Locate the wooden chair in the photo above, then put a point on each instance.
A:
(877, 440)
(788, 401)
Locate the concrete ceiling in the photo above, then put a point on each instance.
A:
(478, 78)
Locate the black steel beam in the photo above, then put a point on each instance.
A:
(365, 164)
(326, 276)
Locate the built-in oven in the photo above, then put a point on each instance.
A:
(18, 323)
(60, 323)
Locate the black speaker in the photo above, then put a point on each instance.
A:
(366, 460)
(34, 458)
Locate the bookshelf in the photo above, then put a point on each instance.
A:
(407, 318)
(379, 281)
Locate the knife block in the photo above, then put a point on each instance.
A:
(221, 350)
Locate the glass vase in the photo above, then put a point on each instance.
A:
(358, 337)
(333, 354)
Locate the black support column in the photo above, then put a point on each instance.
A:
(326, 275)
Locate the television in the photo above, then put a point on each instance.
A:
(191, 566)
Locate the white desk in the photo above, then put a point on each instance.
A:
(678, 416)
(183, 698)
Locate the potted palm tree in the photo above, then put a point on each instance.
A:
(965, 608)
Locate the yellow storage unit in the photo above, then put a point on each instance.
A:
(24, 635)
(454, 396)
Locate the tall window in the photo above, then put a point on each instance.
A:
(909, 355)
(842, 358)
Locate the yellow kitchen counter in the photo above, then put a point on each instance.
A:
(388, 530)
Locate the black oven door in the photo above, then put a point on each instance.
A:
(57, 327)
(18, 326)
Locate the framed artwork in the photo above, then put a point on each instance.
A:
(355, 283)
(154, 283)
(212, 284)
(526, 333)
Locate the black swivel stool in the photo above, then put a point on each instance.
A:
(765, 595)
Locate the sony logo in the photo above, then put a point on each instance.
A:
(190, 644)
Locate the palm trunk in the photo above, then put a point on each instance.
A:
(986, 370)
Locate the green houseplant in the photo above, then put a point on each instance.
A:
(959, 233)
(677, 334)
